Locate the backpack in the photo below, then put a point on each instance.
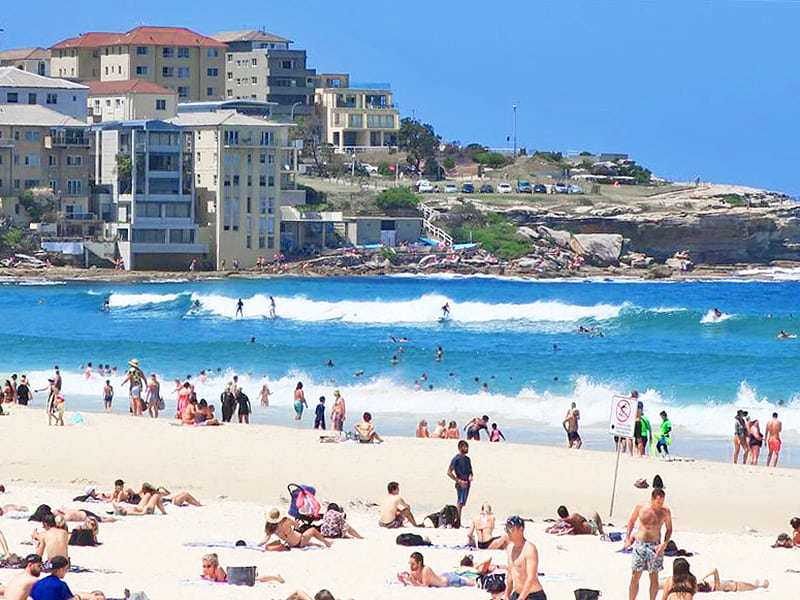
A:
(494, 583)
(448, 517)
(411, 539)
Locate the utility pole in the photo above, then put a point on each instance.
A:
(514, 108)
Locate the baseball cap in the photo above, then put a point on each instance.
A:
(31, 559)
(515, 521)
(58, 562)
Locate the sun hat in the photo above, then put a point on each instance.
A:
(336, 393)
(134, 362)
(274, 515)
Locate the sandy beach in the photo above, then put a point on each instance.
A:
(729, 515)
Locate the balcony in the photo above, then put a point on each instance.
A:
(66, 140)
(6, 143)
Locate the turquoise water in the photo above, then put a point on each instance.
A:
(518, 337)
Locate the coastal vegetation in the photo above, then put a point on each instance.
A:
(496, 235)
(394, 198)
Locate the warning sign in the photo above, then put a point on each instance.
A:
(622, 416)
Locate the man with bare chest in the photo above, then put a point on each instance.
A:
(522, 581)
(647, 547)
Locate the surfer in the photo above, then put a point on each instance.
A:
(446, 310)
(272, 307)
(439, 354)
(717, 313)
(239, 307)
(786, 335)
(106, 305)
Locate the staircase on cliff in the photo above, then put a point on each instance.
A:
(431, 231)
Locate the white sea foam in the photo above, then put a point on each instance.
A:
(118, 300)
(711, 317)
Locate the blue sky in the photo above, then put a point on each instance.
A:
(689, 88)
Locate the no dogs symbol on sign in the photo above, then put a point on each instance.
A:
(622, 417)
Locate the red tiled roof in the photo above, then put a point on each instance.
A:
(25, 54)
(125, 86)
(142, 36)
(92, 39)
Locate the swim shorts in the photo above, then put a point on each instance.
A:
(485, 545)
(540, 595)
(774, 444)
(454, 580)
(298, 408)
(573, 436)
(396, 524)
(644, 557)
(461, 494)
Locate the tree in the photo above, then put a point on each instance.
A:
(124, 172)
(401, 197)
(39, 203)
(419, 140)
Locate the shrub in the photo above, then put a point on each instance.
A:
(492, 159)
(497, 236)
(385, 168)
(734, 200)
(401, 197)
(551, 156)
(449, 163)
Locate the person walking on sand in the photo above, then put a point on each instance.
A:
(460, 471)
(338, 411)
(570, 424)
(299, 401)
(522, 581)
(666, 429)
(135, 379)
(649, 516)
(774, 428)
(239, 307)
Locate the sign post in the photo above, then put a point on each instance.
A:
(621, 426)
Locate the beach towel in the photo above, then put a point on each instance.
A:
(222, 545)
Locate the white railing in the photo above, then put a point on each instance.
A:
(437, 233)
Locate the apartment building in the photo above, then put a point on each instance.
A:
(262, 66)
(43, 149)
(173, 57)
(241, 171)
(148, 167)
(32, 60)
(18, 87)
(360, 116)
(130, 99)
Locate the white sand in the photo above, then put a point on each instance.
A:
(240, 470)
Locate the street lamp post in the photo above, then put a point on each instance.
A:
(291, 113)
(514, 108)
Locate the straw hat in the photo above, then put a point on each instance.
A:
(274, 515)
(134, 362)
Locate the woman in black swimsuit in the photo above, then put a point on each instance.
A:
(682, 585)
(756, 441)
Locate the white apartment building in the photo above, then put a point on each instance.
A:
(148, 166)
(21, 87)
(32, 60)
(361, 116)
(241, 171)
(130, 99)
(43, 149)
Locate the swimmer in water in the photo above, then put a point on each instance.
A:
(439, 354)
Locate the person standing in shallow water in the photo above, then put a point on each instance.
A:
(299, 401)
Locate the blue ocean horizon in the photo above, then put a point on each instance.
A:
(512, 348)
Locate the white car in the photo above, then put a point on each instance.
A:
(450, 188)
(504, 188)
(424, 186)
(369, 168)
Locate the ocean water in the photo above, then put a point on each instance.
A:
(519, 337)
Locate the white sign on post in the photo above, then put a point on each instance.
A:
(623, 416)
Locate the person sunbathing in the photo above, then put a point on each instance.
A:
(211, 569)
(421, 576)
(579, 524)
(284, 528)
(179, 499)
(13, 508)
(482, 526)
(151, 499)
(727, 585)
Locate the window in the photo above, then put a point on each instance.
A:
(167, 71)
(271, 205)
(211, 92)
(213, 52)
(141, 50)
(229, 93)
(12, 97)
(231, 138)
(31, 135)
(141, 70)
(254, 61)
(230, 57)
(16, 184)
(183, 53)
(168, 52)
(118, 102)
(74, 187)
(356, 121)
(106, 69)
(52, 160)
(31, 160)
(161, 104)
(181, 236)
(212, 72)
(74, 161)
(229, 75)
(177, 210)
(262, 158)
(183, 91)
(288, 64)
(148, 209)
(183, 72)
(31, 98)
(380, 121)
(271, 180)
(262, 180)
(253, 80)
(31, 183)
(266, 138)
(149, 236)
(53, 185)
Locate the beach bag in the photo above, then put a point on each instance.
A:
(494, 583)
(448, 517)
(587, 594)
(81, 537)
(411, 539)
(161, 404)
(241, 575)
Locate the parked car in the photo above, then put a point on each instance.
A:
(486, 189)
(574, 189)
(468, 188)
(504, 188)
(450, 188)
(424, 186)
(559, 188)
(369, 168)
(524, 187)
(540, 188)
